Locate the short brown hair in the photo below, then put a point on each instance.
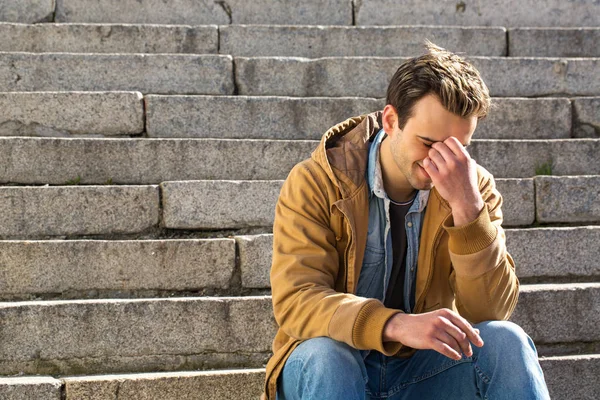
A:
(456, 82)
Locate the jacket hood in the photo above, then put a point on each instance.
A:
(344, 150)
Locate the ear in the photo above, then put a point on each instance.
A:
(390, 120)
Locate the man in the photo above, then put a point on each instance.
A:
(388, 246)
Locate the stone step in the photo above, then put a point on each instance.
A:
(70, 269)
(246, 117)
(143, 335)
(568, 377)
(33, 212)
(505, 77)
(243, 204)
(148, 73)
(585, 112)
(568, 199)
(351, 41)
(539, 253)
(512, 13)
(554, 42)
(110, 38)
(27, 11)
(151, 161)
(70, 114)
(32, 270)
(193, 12)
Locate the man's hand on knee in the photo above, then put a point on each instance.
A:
(442, 330)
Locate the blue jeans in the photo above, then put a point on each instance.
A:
(506, 367)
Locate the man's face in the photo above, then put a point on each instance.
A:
(430, 123)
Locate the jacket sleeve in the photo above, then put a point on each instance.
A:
(483, 277)
(305, 267)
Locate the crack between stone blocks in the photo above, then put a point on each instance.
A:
(218, 39)
(233, 71)
(507, 36)
(144, 116)
(227, 8)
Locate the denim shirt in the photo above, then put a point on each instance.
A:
(377, 264)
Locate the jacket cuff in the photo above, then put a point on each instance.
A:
(473, 237)
(368, 329)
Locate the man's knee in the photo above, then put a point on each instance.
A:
(505, 337)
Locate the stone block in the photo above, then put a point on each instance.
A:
(109, 38)
(512, 13)
(147, 73)
(521, 118)
(567, 199)
(255, 254)
(294, 12)
(71, 114)
(335, 41)
(112, 336)
(572, 377)
(505, 77)
(519, 207)
(32, 212)
(30, 387)
(141, 161)
(586, 112)
(89, 268)
(214, 385)
(555, 252)
(27, 11)
(243, 117)
(219, 204)
(573, 308)
(554, 42)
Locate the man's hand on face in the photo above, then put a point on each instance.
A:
(454, 175)
(442, 330)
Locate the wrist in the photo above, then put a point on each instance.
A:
(466, 212)
(392, 327)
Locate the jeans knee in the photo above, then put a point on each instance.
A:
(324, 357)
(505, 338)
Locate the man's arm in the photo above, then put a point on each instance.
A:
(305, 267)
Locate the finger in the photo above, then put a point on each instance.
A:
(456, 147)
(450, 341)
(437, 158)
(460, 337)
(430, 167)
(467, 328)
(446, 350)
(444, 151)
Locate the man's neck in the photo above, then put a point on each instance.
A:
(395, 183)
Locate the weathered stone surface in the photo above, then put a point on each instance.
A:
(29, 212)
(296, 12)
(147, 73)
(89, 267)
(587, 117)
(504, 76)
(267, 117)
(105, 336)
(140, 161)
(28, 11)
(69, 114)
(109, 38)
(319, 41)
(241, 204)
(573, 308)
(214, 385)
(255, 254)
(567, 199)
(520, 118)
(519, 207)
(219, 204)
(250, 117)
(526, 158)
(492, 12)
(572, 377)
(555, 252)
(30, 387)
(554, 42)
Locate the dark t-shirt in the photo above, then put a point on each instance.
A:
(394, 297)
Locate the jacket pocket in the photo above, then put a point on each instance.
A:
(371, 273)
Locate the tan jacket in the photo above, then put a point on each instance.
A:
(319, 238)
